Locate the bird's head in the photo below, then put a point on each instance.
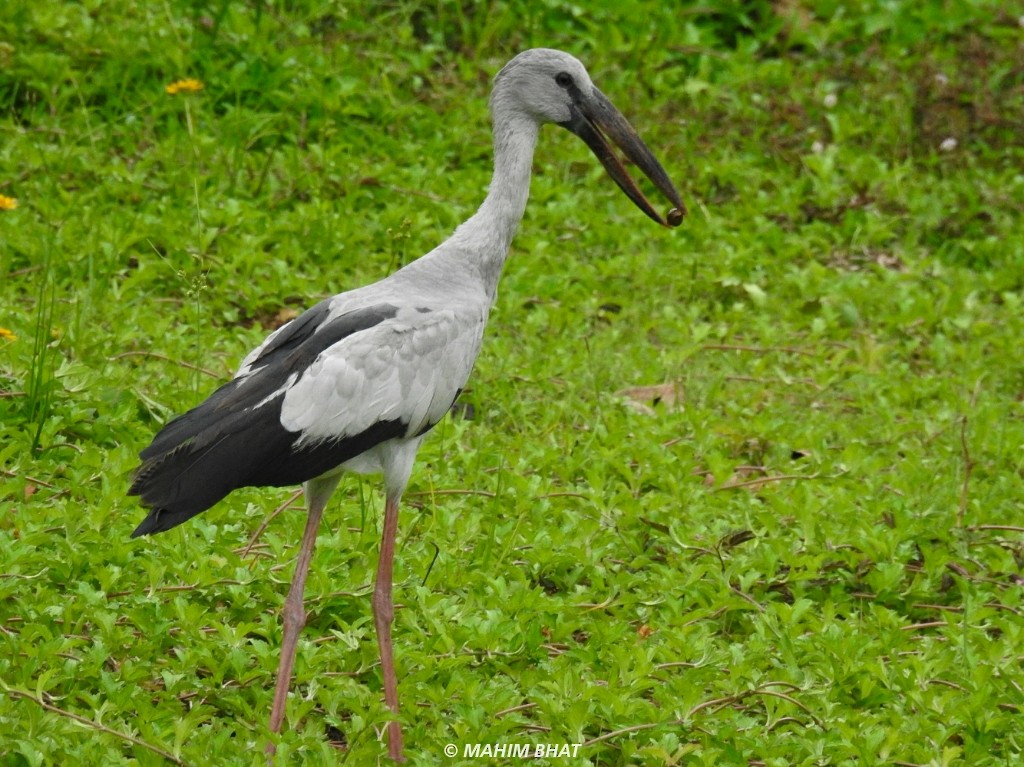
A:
(551, 86)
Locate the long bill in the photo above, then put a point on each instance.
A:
(594, 117)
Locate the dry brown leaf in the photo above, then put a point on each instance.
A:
(643, 399)
(285, 314)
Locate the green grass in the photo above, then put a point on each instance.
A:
(814, 557)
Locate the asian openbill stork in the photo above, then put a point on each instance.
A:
(356, 382)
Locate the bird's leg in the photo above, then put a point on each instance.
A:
(383, 614)
(294, 613)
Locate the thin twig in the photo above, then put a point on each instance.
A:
(757, 349)
(598, 605)
(941, 608)
(633, 728)
(450, 491)
(777, 478)
(165, 358)
(514, 709)
(947, 683)
(95, 725)
(24, 271)
(747, 597)
(968, 467)
(176, 589)
(27, 478)
(266, 522)
(675, 664)
(437, 553)
(23, 577)
(535, 728)
(789, 699)
(925, 625)
(1001, 606)
(714, 704)
(773, 381)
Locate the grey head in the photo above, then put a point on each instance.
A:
(551, 86)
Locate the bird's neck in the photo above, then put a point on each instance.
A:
(487, 235)
(514, 141)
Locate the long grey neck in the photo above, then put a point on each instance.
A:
(484, 239)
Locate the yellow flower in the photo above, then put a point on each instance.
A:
(7, 335)
(189, 85)
(7, 203)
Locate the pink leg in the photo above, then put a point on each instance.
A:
(294, 613)
(383, 614)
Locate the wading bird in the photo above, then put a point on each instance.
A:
(356, 382)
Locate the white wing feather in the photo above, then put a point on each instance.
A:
(409, 368)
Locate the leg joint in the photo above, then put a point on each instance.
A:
(383, 608)
(294, 614)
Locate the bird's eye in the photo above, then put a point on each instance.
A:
(564, 79)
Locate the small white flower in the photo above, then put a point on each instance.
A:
(948, 145)
(941, 79)
(830, 100)
(817, 147)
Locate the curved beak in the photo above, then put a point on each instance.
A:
(596, 120)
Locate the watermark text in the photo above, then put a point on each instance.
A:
(513, 750)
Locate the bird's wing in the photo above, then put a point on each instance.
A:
(319, 392)
(408, 368)
(268, 370)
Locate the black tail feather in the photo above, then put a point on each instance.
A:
(159, 520)
(211, 454)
